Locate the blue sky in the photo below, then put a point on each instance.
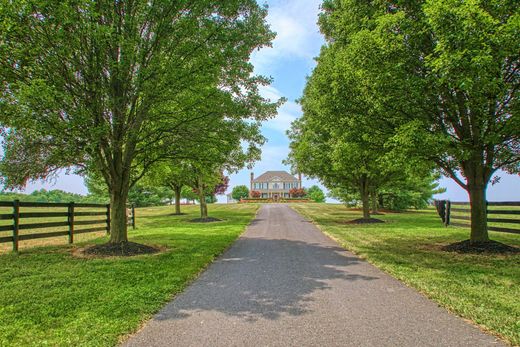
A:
(289, 61)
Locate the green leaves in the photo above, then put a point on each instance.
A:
(412, 81)
(118, 87)
(240, 192)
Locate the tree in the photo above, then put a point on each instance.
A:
(341, 137)
(256, 194)
(411, 192)
(222, 186)
(206, 184)
(220, 189)
(172, 174)
(142, 194)
(54, 195)
(316, 194)
(346, 196)
(449, 70)
(240, 192)
(188, 193)
(108, 87)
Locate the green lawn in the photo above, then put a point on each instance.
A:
(482, 288)
(48, 297)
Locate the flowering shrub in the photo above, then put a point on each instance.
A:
(297, 192)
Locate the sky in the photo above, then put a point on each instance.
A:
(289, 61)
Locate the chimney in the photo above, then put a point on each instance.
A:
(300, 179)
(251, 185)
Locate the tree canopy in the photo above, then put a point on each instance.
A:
(428, 80)
(117, 87)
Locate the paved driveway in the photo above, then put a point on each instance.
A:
(284, 283)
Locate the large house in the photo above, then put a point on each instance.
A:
(275, 184)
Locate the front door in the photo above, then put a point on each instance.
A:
(276, 197)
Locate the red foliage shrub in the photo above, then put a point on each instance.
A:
(297, 192)
(255, 194)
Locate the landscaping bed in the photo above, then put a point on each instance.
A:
(271, 200)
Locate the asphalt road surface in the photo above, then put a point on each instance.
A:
(284, 283)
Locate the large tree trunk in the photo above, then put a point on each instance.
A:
(477, 198)
(118, 217)
(477, 176)
(202, 201)
(177, 190)
(373, 195)
(365, 199)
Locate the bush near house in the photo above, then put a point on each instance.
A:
(297, 192)
(240, 192)
(271, 200)
(316, 194)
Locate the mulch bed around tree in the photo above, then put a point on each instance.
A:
(205, 220)
(123, 249)
(363, 221)
(493, 247)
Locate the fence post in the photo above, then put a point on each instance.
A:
(133, 216)
(108, 219)
(441, 210)
(71, 221)
(16, 224)
(447, 213)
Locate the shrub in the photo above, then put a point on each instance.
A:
(316, 194)
(297, 192)
(240, 192)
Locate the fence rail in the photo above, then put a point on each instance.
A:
(17, 217)
(446, 212)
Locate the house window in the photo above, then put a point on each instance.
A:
(291, 185)
(260, 185)
(276, 186)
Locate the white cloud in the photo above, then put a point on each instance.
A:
(297, 33)
(287, 113)
(272, 157)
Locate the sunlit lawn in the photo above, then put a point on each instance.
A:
(49, 297)
(482, 288)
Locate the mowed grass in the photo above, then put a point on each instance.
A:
(50, 298)
(482, 288)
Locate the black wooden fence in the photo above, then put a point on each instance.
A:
(100, 214)
(452, 213)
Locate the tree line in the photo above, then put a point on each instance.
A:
(405, 90)
(131, 91)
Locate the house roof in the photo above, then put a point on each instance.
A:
(269, 176)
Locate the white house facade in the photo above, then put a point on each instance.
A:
(275, 184)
